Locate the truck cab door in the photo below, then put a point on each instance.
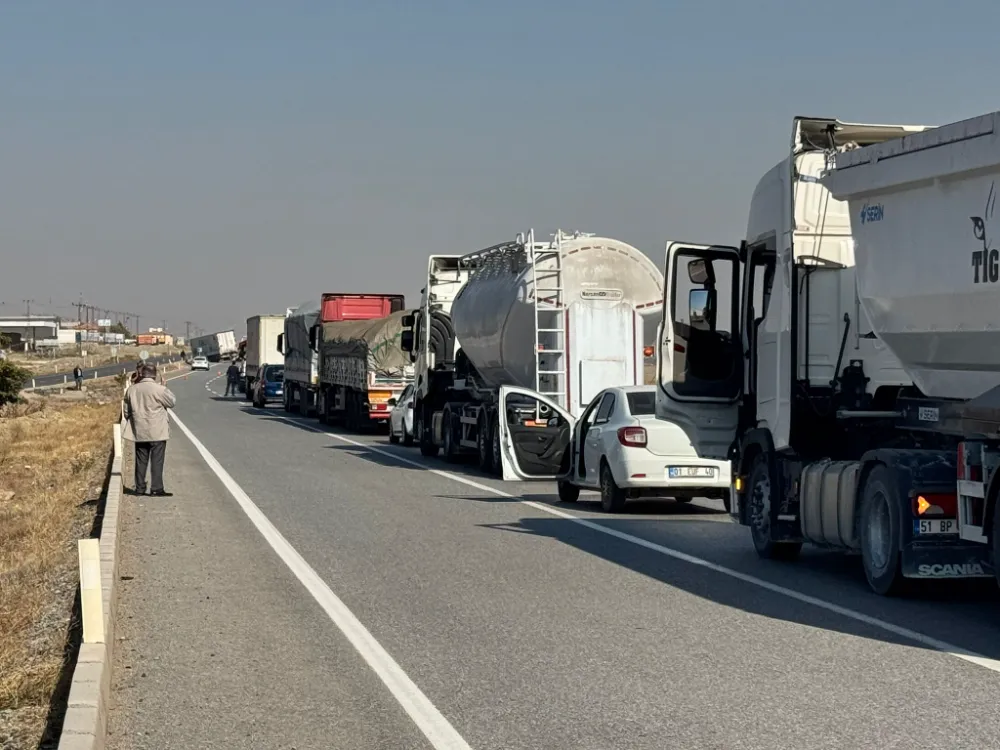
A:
(536, 436)
(700, 355)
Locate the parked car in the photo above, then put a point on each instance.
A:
(269, 386)
(620, 448)
(200, 363)
(401, 417)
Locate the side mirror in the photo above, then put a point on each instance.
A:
(407, 320)
(699, 271)
(313, 337)
(406, 341)
(701, 308)
(281, 343)
(391, 402)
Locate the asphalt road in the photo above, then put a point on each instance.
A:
(94, 372)
(519, 625)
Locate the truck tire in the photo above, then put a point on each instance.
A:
(321, 401)
(484, 443)
(880, 532)
(759, 502)
(568, 493)
(427, 447)
(286, 400)
(448, 436)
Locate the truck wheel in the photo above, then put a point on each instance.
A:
(760, 519)
(880, 527)
(286, 400)
(427, 447)
(568, 493)
(612, 496)
(448, 436)
(484, 449)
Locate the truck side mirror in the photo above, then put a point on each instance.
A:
(391, 402)
(313, 335)
(281, 343)
(407, 320)
(698, 271)
(701, 308)
(406, 341)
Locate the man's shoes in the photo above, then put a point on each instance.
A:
(161, 493)
(127, 491)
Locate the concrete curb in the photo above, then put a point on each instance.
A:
(86, 723)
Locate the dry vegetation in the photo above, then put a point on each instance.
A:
(54, 455)
(65, 359)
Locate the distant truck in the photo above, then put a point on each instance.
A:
(261, 347)
(362, 367)
(299, 342)
(214, 346)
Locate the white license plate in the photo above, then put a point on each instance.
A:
(690, 472)
(279, 392)
(936, 526)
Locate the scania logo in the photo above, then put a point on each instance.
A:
(951, 571)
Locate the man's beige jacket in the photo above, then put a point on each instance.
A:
(146, 405)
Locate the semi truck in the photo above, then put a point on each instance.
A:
(525, 326)
(260, 347)
(299, 342)
(361, 368)
(820, 354)
(214, 346)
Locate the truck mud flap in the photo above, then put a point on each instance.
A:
(946, 560)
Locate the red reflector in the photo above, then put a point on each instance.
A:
(633, 437)
(679, 348)
(638, 476)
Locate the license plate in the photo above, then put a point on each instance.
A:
(279, 392)
(690, 472)
(935, 526)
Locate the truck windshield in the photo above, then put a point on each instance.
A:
(642, 403)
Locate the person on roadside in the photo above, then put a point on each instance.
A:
(78, 377)
(146, 405)
(232, 378)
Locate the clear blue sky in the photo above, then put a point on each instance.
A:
(212, 160)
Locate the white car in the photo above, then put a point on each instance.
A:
(617, 446)
(200, 363)
(401, 417)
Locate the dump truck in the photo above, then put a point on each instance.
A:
(260, 347)
(836, 355)
(299, 342)
(361, 369)
(525, 325)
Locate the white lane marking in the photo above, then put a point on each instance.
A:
(912, 635)
(435, 727)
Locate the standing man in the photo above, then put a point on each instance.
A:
(146, 405)
(232, 378)
(78, 377)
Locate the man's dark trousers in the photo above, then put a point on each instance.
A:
(156, 451)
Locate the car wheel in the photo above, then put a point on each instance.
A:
(568, 493)
(612, 496)
(407, 436)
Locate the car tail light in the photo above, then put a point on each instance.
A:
(632, 437)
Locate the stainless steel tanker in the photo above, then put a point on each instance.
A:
(557, 321)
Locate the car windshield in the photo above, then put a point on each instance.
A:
(274, 375)
(642, 403)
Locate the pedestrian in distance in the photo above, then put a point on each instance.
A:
(146, 405)
(232, 378)
(78, 377)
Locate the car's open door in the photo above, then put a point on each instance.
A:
(536, 436)
(700, 354)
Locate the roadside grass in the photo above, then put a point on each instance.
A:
(54, 456)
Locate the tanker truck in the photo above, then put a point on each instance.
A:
(520, 327)
(361, 368)
(842, 344)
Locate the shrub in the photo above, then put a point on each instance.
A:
(12, 380)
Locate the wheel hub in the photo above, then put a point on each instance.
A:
(760, 504)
